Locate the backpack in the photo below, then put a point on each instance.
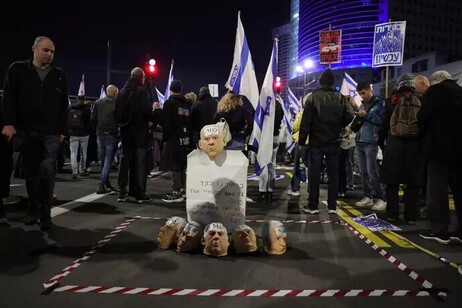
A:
(74, 119)
(403, 121)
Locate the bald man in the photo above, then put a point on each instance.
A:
(34, 108)
(103, 116)
(421, 84)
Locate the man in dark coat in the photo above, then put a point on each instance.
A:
(403, 162)
(34, 109)
(134, 112)
(326, 112)
(202, 112)
(440, 126)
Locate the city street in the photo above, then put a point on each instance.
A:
(102, 253)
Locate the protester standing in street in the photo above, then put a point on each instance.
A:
(34, 109)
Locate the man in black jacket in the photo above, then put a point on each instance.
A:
(326, 112)
(202, 112)
(133, 113)
(34, 108)
(440, 127)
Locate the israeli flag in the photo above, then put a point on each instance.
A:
(82, 86)
(349, 89)
(294, 103)
(163, 97)
(242, 79)
(102, 93)
(263, 126)
(287, 121)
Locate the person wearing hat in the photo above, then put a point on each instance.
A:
(440, 127)
(403, 162)
(372, 112)
(325, 113)
(176, 137)
(202, 112)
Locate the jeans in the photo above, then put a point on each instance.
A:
(107, 145)
(40, 152)
(74, 142)
(296, 174)
(332, 152)
(367, 158)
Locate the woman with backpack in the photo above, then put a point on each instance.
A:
(403, 162)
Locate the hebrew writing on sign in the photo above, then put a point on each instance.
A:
(389, 44)
(216, 190)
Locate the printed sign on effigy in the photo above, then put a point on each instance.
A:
(216, 190)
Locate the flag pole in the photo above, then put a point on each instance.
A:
(386, 75)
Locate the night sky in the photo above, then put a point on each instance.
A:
(198, 35)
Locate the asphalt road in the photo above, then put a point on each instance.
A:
(102, 253)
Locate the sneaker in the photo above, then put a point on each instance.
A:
(290, 192)
(102, 189)
(122, 197)
(74, 176)
(365, 202)
(145, 199)
(85, 173)
(379, 205)
(442, 237)
(341, 195)
(351, 187)
(310, 211)
(332, 212)
(174, 196)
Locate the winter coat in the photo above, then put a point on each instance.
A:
(440, 121)
(369, 131)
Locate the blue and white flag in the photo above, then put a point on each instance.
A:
(287, 121)
(242, 79)
(102, 93)
(163, 97)
(294, 103)
(349, 89)
(82, 86)
(263, 126)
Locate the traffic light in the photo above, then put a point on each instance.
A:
(278, 85)
(151, 67)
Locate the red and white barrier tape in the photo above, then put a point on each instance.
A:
(244, 293)
(66, 271)
(265, 221)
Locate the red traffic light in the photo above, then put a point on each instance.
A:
(151, 67)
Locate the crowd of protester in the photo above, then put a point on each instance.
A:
(332, 134)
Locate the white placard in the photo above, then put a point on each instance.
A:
(216, 191)
(213, 87)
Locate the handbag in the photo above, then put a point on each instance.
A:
(356, 124)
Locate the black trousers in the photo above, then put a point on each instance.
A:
(441, 175)
(411, 202)
(133, 171)
(6, 167)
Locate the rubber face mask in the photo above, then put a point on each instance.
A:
(168, 233)
(276, 243)
(215, 240)
(244, 239)
(189, 238)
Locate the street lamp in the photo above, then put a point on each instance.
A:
(307, 65)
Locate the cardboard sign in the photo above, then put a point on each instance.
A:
(216, 191)
(330, 46)
(389, 44)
